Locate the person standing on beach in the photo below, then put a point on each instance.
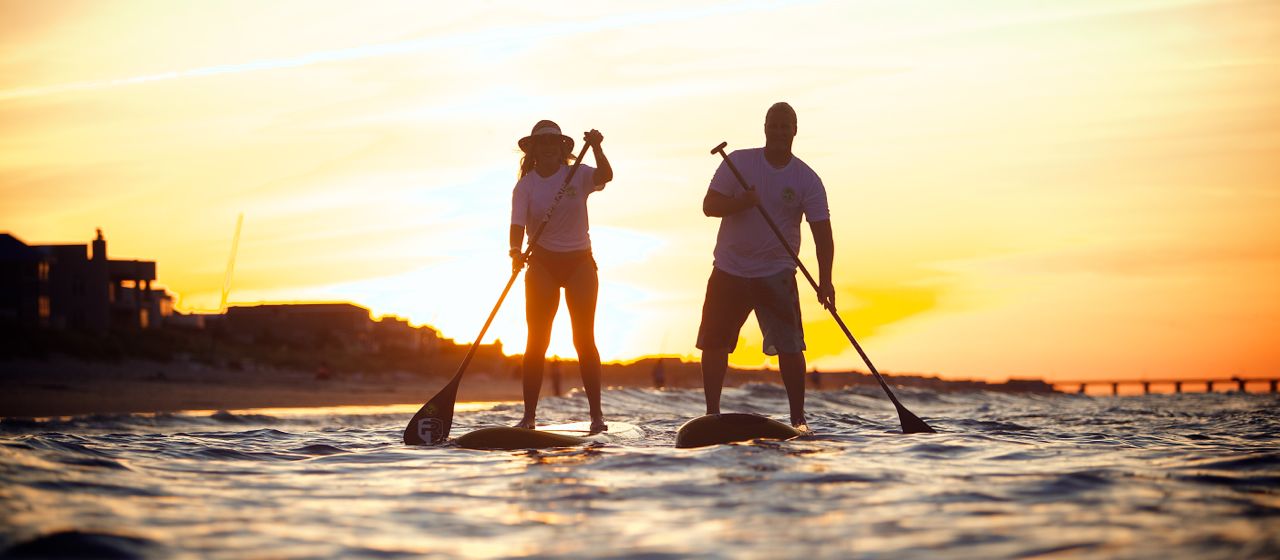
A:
(561, 259)
(751, 270)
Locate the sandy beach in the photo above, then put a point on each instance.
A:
(64, 387)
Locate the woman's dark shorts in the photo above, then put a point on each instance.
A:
(562, 267)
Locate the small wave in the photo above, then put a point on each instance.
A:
(1233, 480)
(1254, 461)
(318, 449)
(11, 425)
(939, 450)
(83, 544)
(368, 552)
(965, 498)
(763, 390)
(94, 462)
(1068, 549)
(98, 423)
(834, 478)
(223, 453)
(1069, 485)
(65, 443)
(1018, 456)
(96, 488)
(989, 426)
(228, 417)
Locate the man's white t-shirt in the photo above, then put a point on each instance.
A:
(567, 230)
(746, 246)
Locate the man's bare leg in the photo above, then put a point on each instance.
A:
(792, 365)
(714, 365)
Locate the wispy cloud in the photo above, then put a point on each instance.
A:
(507, 38)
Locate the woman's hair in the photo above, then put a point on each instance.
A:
(527, 161)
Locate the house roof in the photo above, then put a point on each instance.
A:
(13, 249)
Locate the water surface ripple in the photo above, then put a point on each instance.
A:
(1010, 476)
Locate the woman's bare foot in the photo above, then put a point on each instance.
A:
(598, 425)
(527, 423)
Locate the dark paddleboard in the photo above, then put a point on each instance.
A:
(714, 429)
(545, 437)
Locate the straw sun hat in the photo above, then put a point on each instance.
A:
(545, 128)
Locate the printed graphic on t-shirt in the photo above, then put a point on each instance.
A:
(567, 226)
(745, 246)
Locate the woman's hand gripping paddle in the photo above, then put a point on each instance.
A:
(911, 424)
(432, 422)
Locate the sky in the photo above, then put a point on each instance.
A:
(1079, 189)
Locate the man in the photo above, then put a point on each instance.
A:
(752, 271)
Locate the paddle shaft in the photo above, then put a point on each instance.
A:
(830, 308)
(524, 257)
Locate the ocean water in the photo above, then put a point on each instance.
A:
(1010, 476)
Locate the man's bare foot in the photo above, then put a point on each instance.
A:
(527, 423)
(800, 424)
(598, 425)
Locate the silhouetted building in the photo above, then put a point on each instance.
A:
(394, 333)
(303, 324)
(24, 284)
(430, 340)
(191, 321)
(67, 287)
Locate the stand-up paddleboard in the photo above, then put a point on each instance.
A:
(714, 429)
(559, 435)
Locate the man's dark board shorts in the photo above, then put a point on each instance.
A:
(775, 299)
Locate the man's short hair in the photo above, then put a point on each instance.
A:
(783, 106)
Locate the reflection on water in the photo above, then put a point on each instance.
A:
(1010, 476)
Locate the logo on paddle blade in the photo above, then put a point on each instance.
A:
(429, 429)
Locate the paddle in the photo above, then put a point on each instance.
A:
(431, 424)
(911, 424)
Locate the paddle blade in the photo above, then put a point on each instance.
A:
(431, 424)
(912, 424)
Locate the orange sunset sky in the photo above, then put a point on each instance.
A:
(1070, 189)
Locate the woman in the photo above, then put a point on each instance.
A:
(561, 259)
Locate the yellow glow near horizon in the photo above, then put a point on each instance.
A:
(1064, 189)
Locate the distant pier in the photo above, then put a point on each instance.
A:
(1242, 384)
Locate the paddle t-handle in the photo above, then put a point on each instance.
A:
(911, 424)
